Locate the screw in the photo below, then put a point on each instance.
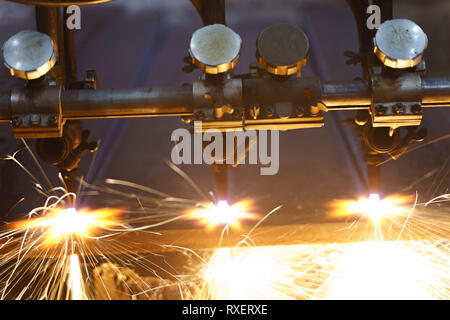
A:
(380, 109)
(416, 109)
(398, 108)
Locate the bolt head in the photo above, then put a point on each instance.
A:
(35, 119)
(379, 110)
(416, 109)
(398, 109)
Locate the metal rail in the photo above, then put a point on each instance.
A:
(178, 101)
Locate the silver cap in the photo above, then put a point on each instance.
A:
(29, 54)
(215, 48)
(400, 43)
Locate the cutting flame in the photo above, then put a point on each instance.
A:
(222, 214)
(59, 223)
(373, 207)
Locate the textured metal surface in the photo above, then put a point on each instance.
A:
(400, 43)
(282, 49)
(207, 98)
(295, 234)
(111, 103)
(215, 48)
(350, 93)
(36, 112)
(29, 54)
(435, 90)
(396, 101)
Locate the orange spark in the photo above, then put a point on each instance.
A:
(58, 223)
(372, 207)
(223, 214)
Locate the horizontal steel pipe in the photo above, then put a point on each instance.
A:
(271, 90)
(358, 93)
(436, 90)
(113, 103)
(346, 93)
(178, 101)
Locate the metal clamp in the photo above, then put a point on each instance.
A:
(396, 101)
(218, 105)
(36, 112)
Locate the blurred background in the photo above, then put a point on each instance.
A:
(141, 43)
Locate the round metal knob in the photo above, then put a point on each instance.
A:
(282, 49)
(215, 48)
(29, 54)
(400, 43)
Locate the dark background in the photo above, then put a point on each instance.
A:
(141, 43)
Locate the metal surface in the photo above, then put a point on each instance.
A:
(211, 11)
(346, 93)
(365, 35)
(305, 91)
(48, 21)
(217, 100)
(282, 49)
(400, 43)
(373, 175)
(65, 152)
(434, 91)
(29, 54)
(396, 101)
(36, 112)
(69, 50)
(275, 235)
(221, 173)
(181, 101)
(112, 103)
(215, 48)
